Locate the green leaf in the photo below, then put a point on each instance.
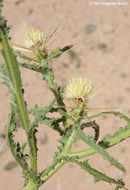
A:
(121, 134)
(33, 67)
(40, 117)
(65, 114)
(66, 136)
(40, 113)
(54, 124)
(57, 53)
(98, 176)
(7, 81)
(94, 125)
(99, 149)
(21, 55)
(48, 76)
(15, 148)
(42, 68)
(3, 22)
(23, 147)
(120, 115)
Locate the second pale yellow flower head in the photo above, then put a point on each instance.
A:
(78, 89)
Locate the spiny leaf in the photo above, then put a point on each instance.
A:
(15, 148)
(99, 149)
(65, 114)
(23, 147)
(54, 124)
(48, 76)
(3, 22)
(42, 68)
(57, 53)
(98, 176)
(6, 81)
(120, 115)
(40, 117)
(94, 125)
(121, 134)
(33, 67)
(40, 113)
(21, 55)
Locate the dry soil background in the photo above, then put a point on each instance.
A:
(101, 35)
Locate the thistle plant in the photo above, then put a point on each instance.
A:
(70, 102)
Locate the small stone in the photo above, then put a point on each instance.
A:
(11, 165)
(123, 75)
(101, 46)
(44, 140)
(126, 13)
(19, 1)
(90, 28)
(30, 11)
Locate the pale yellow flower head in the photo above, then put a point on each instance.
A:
(35, 39)
(78, 89)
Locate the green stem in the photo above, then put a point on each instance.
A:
(43, 178)
(115, 140)
(30, 186)
(68, 143)
(33, 150)
(53, 86)
(81, 154)
(13, 70)
(119, 137)
(64, 152)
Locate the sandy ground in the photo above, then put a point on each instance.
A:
(101, 35)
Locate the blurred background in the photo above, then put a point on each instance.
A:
(101, 38)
